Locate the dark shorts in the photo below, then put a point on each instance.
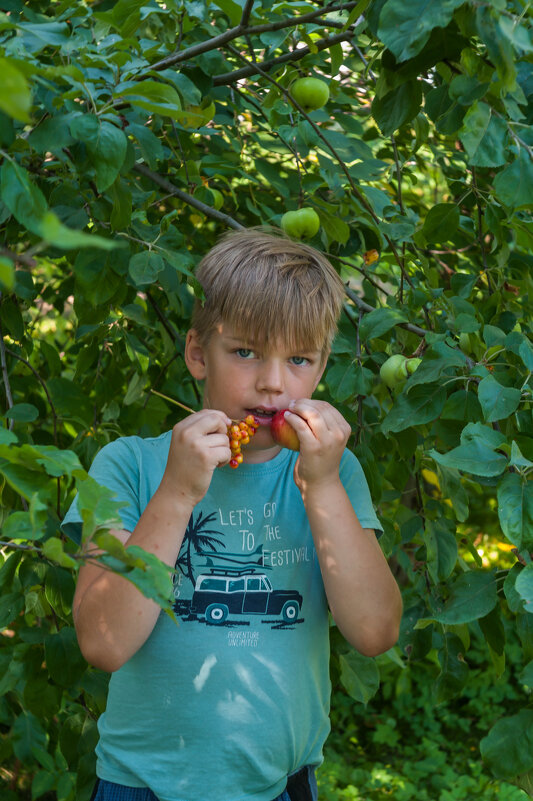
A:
(301, 786)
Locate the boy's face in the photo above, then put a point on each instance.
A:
(241, 380)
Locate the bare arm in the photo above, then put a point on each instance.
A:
(363, 596)
(113, 619)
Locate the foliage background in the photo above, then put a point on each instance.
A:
(132, 134)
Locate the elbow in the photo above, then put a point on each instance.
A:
(375, 636)
(376, 643)
(100, 655)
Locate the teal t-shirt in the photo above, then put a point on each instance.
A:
(224, 705)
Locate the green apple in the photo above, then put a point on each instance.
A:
(412, 364)
(301, 224)
(393, 372)
(310, 93)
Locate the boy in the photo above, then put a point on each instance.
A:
(232, 704)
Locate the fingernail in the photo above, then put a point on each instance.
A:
(292, 404)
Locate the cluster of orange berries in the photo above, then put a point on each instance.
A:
(239, 434)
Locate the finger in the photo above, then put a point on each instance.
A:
(318, 415)
(206, 422)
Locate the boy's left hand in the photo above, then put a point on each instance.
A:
(323, 433)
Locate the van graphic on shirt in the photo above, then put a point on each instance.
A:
(224, 591)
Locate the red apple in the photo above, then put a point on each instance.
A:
(283, 433)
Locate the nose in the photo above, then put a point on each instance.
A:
(270, 376)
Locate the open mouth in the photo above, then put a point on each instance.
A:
(263, 416)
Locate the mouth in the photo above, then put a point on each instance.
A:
(262, 414)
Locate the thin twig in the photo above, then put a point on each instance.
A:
(175, 337)
(5, 374)
(192, 201)
(364, 273)
(43, 384)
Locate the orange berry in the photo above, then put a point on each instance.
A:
(235, 445)
(233, 463)
(239, 458)
(245, 440)
(243, 426)
(235, 431)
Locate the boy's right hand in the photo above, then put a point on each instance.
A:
(198, 445)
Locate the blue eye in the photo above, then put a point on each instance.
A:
(299, 360)
(245, 353)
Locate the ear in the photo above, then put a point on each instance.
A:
(194, 355)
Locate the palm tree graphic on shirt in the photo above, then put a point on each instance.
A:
(197, 539)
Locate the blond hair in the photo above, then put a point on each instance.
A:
(269, 288)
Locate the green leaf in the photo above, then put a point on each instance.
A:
(499, 47)
(7, 274)
(22, 197)
(153, 96)
(23, 413)
(15, 94)
(422, 405)
(515, 509)
(144, 267)
(397, 107)
(508, 747)
(497, 401)
(54, 550)
(476, 453)
(27, 734)
(512, 185)
(151, 576)
(359, 676)
(380, 321)
(53, 231)
(438, 360)
(484, 136)
(64, 661)
(135, 388)
(347, 379)
(97, 507)
(405, 27)
(524, 586)
(454, 670)
(472, 595)
(441, 547)
(441, 222)
(11, 605)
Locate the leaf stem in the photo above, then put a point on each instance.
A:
(171, 400)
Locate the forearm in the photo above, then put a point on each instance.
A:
(363, 596)
(113, 618)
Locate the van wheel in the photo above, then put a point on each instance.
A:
(216, 613)
(290, 611)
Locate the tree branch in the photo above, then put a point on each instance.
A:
(189, 199)
(365, 307)
(242, 28)
(295, 55)
(245, 19)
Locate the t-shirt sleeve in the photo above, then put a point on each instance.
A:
(116, 467)
(355, 484)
